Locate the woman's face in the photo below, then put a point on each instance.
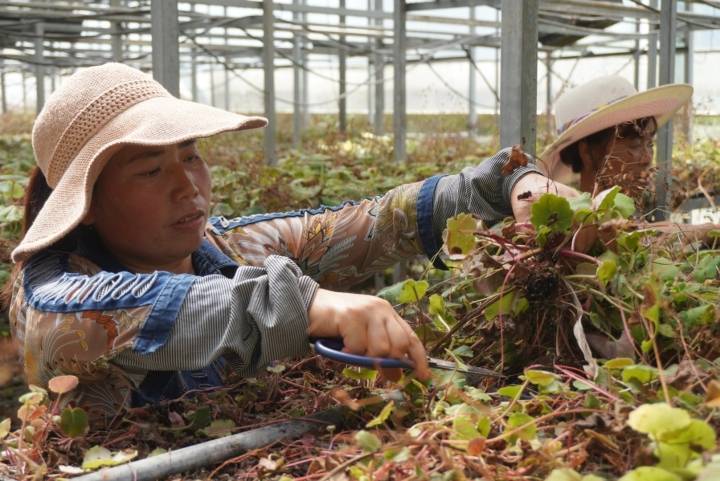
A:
(150, 205)
(626, 160)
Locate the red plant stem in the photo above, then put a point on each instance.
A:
(578, 255)
(594, 386)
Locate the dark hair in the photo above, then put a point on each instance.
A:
(570, 155)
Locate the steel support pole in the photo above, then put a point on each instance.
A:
(226, 72)
(342, 65)
(668, 17)
(652, 52)
(3, 91)
(39, 67)
(268, 56)
(116, 36)
(24, 91)
(636, 58)
(497, 71)
(165, 48)
(399, 91)
(689, 76)
(472, 87)
(549, 124)
(379, 67)
(518, 95)
(306, 119)
(193, 66)
(213, 89)
(297, 83)
(371, 84)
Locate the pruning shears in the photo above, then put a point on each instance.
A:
(332, 349)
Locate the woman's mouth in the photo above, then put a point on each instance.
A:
(190, 221)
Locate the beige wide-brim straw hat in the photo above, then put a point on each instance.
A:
(96, 112)
(603, 103)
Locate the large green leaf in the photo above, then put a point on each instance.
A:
(74, 422)
(553, 212)
(459, 236)
(649, 473)
(658, 419)
(368, 441)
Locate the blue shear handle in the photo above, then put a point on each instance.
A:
(332, 348)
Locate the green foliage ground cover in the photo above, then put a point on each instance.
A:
(518, 298)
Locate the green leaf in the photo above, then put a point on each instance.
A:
(552, 211)
(200, 418)
(540, 378)
(4, 428)
(649, 473)
(501, 306)
(510, 391)
(515, 420)
(624, 205)
(581, 202)
(608, 201)
(464, 428)
(74, 422)
(360, 373)
(672, 455)
(98, 456)
(640, 373)
(219, 428)
(697, 433)
(698, 316)
(707, 268)
(658, 419)
(436, 304)
(618, 363)
(665, 269)
(382, 417)
(412, 291)
(606, 271)
(459, 236)
(368, 441)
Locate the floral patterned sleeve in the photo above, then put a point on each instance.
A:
(337, 246)
(342, 245)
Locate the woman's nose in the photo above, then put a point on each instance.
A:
(183, 182)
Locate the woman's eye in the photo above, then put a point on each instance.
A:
(150, 173)
(193, 158)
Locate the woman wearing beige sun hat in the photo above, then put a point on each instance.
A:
(606, 130)
(125, 280)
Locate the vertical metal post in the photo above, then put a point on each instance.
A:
(268, 56)
(689, 75)
(116, 35)
(3, 91)
(497, 70)
(636, 58)
(518, 95)
(24, 90)
(39, 67)
(165, 47)
(399, 93)
(668, 17)
(549, 124)
(213, 89)
(379, 66)
(297, 83)
(305, 83)
(193, 65)
(652, 51)
(370, 84)
(342, 65)
(472, 87)
(226, 72)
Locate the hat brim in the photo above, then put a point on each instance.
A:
(661, 102)
(153, 122)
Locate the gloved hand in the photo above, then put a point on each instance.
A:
(529, 189)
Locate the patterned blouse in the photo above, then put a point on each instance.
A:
(136, 338)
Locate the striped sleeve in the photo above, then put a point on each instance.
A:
(481, 190)
(258, 316)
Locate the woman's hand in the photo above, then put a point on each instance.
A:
(368, 326)
(529, 189)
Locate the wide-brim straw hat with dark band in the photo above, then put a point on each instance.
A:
(96, 112)
(603, 103)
